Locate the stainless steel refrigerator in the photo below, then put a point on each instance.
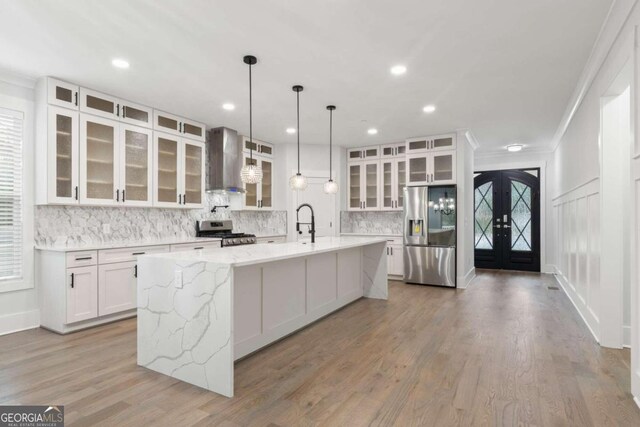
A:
(430, 235)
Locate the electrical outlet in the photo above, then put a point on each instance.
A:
(178, 278)
(106, 228)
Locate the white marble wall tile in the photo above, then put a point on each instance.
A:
(75, 225)
(371, 222)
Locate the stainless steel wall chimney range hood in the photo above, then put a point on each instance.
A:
(225, 161)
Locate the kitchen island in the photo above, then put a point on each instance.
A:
(200, 311)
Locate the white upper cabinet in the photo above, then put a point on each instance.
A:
(136, 160)
(393, 178)
(62, 174)
(179, 166)
(364, 153)
(260, 195)
(364, 185)
(259, 147)
(99, 162)
(393, 150)
(432, 168)
(110, 107)
(62, 94)
(176, 125)
(431, 143)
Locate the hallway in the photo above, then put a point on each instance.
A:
(507, 351)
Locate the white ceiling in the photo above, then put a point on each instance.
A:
(504, 69)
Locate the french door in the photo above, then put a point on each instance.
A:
(507, 220)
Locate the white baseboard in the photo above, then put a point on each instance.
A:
(19, 321)
(464, 281)
(548, 269)
(561, 282)
(635, 399)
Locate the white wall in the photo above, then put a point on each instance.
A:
(578, 213)
(19, 308)
(465, 237)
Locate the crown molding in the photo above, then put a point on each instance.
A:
(14, 78)
(614, 22)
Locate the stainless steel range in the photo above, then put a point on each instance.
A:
(223, 229)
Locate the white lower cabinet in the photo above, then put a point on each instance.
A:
(273, 239)
(395, 262)
(117, 287)
(82, 293)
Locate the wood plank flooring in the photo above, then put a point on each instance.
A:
(506, 351)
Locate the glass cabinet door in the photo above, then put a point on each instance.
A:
(371, 179)
(443, 167)
(136, 114)
(401, 176)
(166, 122)
(166, 169)
(387, 185)
(63, 156)
(98, 103)
(62, 94)
(354, 186)
(193, 129)
(266, 184)
(250, 190)
(193, 161)
(136, 161)
(417, 169)
(444, 142)
(99, 163)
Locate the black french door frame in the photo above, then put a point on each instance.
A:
(506, 241)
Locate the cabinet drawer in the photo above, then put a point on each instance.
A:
(82, 258)
(108, 256)
(276, 239)
(394, 241)
(195, 246)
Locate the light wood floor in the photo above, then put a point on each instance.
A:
(506, 351)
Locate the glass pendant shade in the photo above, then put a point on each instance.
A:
(298, 182)
(331, 187)
(251, 174)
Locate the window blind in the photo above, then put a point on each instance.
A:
(11, 220)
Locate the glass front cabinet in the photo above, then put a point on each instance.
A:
(260, 195)
(431, 168)
(364, 185)
(393, 180)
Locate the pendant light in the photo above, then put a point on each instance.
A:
(298, 181)
(251, 173)
(330, 187)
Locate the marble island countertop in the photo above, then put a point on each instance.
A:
(129, 244)
(239, 256)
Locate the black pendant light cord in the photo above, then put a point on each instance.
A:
(298, 124)
(250, 119)
(330, 142)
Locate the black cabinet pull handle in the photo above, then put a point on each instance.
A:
(124, 112)
(72, 279)
(76, 192)
(180, 127)
(179, 199)
(135, 270)
(84, 258)
(118, 110)
(117, 195)
(184, 199)
(123, 196)
(138, 253)
(76, 99)
(199, 247)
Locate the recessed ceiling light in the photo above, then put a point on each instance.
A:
(514, 147)
(120, 63)
(398, 70)
(429, 109)
(372, 131)
(291, 130)
(228, 106)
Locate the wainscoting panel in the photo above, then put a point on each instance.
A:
(577, 214)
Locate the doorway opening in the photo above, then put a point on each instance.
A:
(507, 219)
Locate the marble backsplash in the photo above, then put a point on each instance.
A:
(75, 225)
(371, 222)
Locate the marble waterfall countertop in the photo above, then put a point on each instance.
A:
(238, 256)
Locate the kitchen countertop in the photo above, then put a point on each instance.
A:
(371, 234)
(238, 256)
(150, 242)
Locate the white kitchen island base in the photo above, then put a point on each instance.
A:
(199, 312)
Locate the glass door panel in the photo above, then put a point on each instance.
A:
(136, 164)
(167, 172)
(251, 190)
(136, 114)
(64, 128)
(193, 129)
(417, 170)
(387, 185)
(354, 186)
(483, 218)
(100, 161)
(401, 175)
(266, 149)
(443, 142)
(192, 174)
(443, 167)
(266, 184)
(419, 145)
(62, 93)
(98, 103)
(371, 186)
(442, 216)
(521, 216)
